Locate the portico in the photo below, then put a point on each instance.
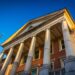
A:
(39, 38)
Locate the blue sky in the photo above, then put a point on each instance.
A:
(15, 13)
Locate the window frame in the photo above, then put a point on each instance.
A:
(35, 54)
(60, 45)
(52, 48)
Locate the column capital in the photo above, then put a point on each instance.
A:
(47, 29)
(22, 42)
(64, 21)
(34, 36)
(11, 47)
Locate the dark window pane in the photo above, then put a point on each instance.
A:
(62, 42)
(36, 54)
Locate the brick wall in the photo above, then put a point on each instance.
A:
(55, 57)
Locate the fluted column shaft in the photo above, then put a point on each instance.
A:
(22, 60)
(1, 56)
(46, 59)
(17, 59)
(30, 56)
(70, 54)
(6, 62)
(67, 39)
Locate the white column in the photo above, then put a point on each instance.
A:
(1, 56)
(22, 60)
(67, 40)
(30, 56)
(7, 61)
(17, 59)
(46, 58)
(70, 54)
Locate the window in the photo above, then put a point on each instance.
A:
(51, 48)
(25, 58)
(36, 55)
(61, 44)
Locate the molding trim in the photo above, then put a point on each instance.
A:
(43, 28)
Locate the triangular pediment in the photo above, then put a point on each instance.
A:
(33, 23)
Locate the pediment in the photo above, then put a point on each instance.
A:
(39, 21)
(34, 23)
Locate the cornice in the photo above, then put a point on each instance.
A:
(40, 29)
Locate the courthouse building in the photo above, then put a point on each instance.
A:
(43, 46)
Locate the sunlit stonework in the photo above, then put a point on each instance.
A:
(43, 46)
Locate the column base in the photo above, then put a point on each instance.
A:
(70, 65)
(2, 72)
(26, 73)
(70, 73)
(45, 70)
(13, 71)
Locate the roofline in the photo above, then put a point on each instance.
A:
(31, 22)
(25, 26)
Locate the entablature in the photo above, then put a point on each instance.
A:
(35, 31)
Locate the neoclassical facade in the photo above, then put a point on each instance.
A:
(43, 46)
